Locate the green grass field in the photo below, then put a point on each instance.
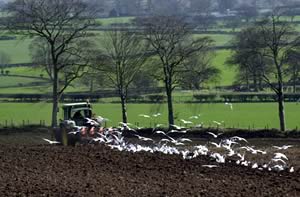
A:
(112, 20)
(220, 39)
(257, 115)
(18, 50)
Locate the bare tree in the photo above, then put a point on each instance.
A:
(123, 56)
(172, 42)
(248, 59)
(293, 69)
(278, 38)
(62, 25)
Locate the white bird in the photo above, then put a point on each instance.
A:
(99, 139)
(194, 117)
(228, 143)
(280, 156)
(278, 168)
(176, 143)
(210, 166)
(51, 142)
(92, 122)
(245, 163)
(214, 135)
(217, 145)
(144, 138)
(144, 115)
(70, 123)
(284, 147)
(177, 131)
(219, 158)
(73, 132)
(278, 160)
(254, 166)
(101, 120)
(156, 115)
(184, 140)
(216, 122)
(292, 170)
(242, 157)
(230, 105)
(231, 152)
(186, 121)
(164, 140)
(160, 132)
(237, 138)
(176, 126)
(159, 125)
(253, 151)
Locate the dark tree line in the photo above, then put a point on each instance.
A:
(267, 52)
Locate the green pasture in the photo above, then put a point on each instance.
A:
(220, 39)
(227, 72)
(16, 81)
(18, 50)
(112, 20)
(27, 71)
(254, 115)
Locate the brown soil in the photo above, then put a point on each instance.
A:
(47, 170)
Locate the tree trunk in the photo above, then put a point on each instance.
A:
(294, 80)
(91, 86)
(124, 109)
(255, 83)
(170, 107)
(281, 110)
(55, 98)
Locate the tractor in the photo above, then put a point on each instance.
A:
(76, 124)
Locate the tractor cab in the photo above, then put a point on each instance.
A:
(77, 112)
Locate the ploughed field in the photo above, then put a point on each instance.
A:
(98, 170)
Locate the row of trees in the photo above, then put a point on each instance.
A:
(267, 52)
(67, 50)
(166, 49)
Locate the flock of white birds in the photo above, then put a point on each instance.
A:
(218, 148)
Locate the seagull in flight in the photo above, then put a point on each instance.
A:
(160, 132)
(284, 147)
(210, 166)
(144, 115)
(237, 138)
(92, 122)
(144, 138)
(194, 117)
(216, 122)
(184, 140)
(214, 135)
(186, 121)
(176, 126)
(156, 115)
(217, 145)
(230, 105)
(177, 131)
(280, 156)
(51, 142)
